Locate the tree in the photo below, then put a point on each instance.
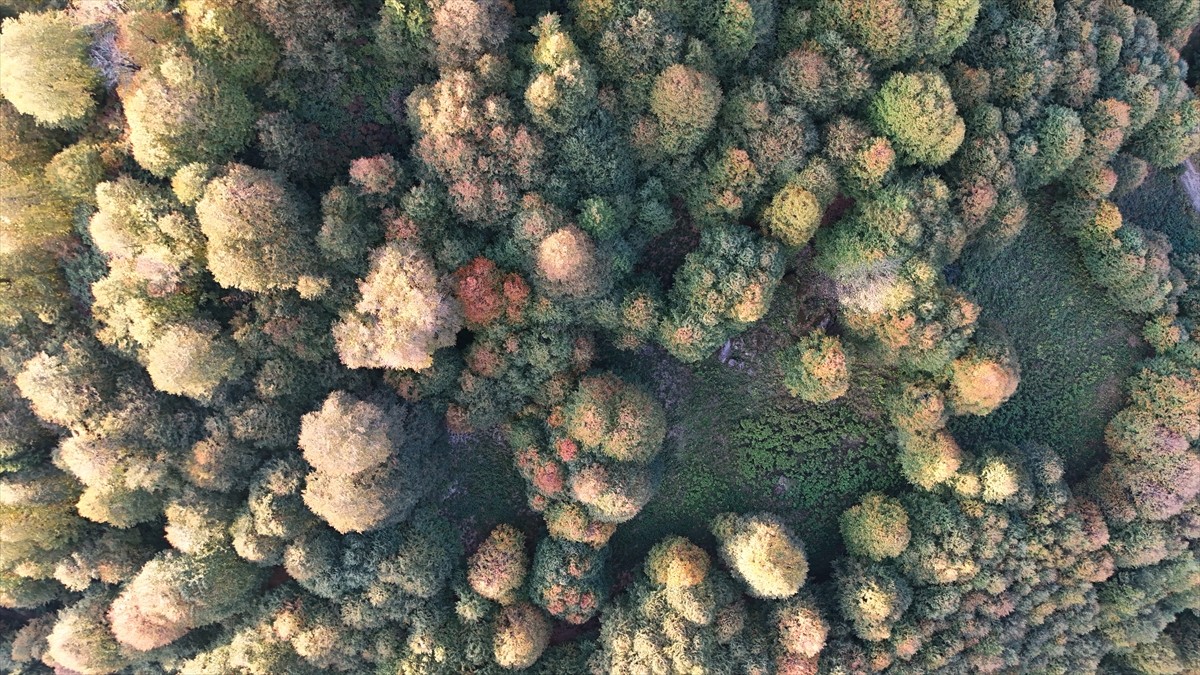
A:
(76, 171)
(865, 162)
(1053, 145)
(872, 597)
(35, 215)
(511, 369)
(372, 460)
(83, 641)
(917, 114)
(802, 629)
(568, 579)
(815, 369)
(885, 31)
(927, 459)
(685, 103)
(573, 522)
(775, 135)
(402, 34)
(376, 176)
(403, 313)
(631, 50)
(488, 295)
(1130, 263)
(793, 215)
(498, 567)
(193, 360)
(683, 615)
(230, 40)
(763, 553)
(23, 439)
(259, 231)
(180, 112)
(1160, 657)
(876, 527)
(563, 86)
(612, 492)
(722, 287)
(729, 185)
(980, 381)
(676, 562)
(615, 419)
(466, 134)
(569, 265)
(1171, 136)
(274, 513)
(824, 75)
(44, 68)
(40, 526)
(68, 385)
(918, 406)
(156, 273)
(522, 634)
(464, 30)
(175, 593)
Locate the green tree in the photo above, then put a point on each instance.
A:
(403, 314)
(885, 31)
(763, 553)
(175, 593)
(815, 368)
(259, 231)
(876, 527)
(522, 634)
(927, 459)
(44, 68)
(40, 526)
(684, 615)
(180, 112)
(498, 567)
(722, 287)
(372, 460)
(274, 513)
(193, 360)
(76, 171)
(865, 162)
(563, 86)
(917, 114)
(685, 102)
(1053, 145)
(230, 40)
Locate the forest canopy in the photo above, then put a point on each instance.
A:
(599, 336)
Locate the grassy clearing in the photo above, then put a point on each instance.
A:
(485, 490)
(1075, 348)
(738, 442)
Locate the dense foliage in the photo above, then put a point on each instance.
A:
(271, 271)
